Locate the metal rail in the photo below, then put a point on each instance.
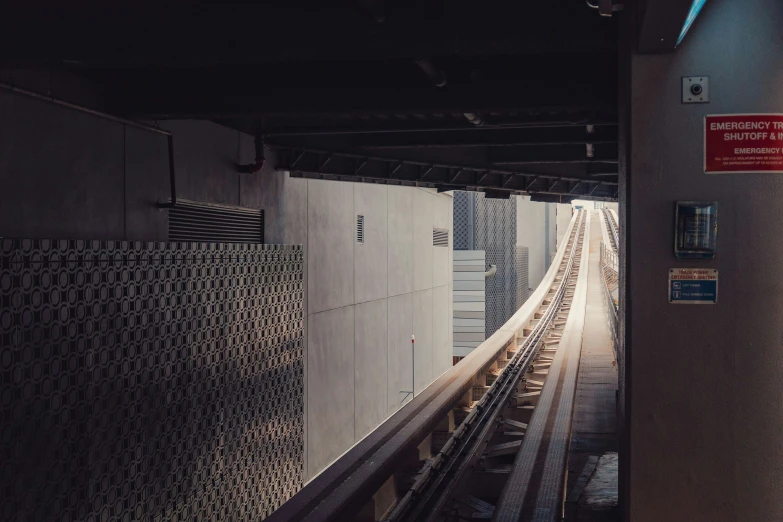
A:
(612, 226)
(428, 496)
(545, 446)
(610, 269)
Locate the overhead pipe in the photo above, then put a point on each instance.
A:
(110, 117)
(252, 168)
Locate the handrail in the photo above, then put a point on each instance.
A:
(609, 269)
(612, 224)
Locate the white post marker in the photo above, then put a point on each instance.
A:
(413, 364)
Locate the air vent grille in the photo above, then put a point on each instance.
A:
(360, 229)
(193, 221)
(440, 237)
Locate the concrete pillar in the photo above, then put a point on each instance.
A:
(704, 383)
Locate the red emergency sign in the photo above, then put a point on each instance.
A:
(743, 143)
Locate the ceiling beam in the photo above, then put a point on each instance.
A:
(342, 167)
(528, 154)
(487, 136)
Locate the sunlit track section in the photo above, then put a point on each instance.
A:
(610, 269)
(610, 223)
(375, 476)
(535, 486)
(452, 484)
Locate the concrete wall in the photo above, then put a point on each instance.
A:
(704, 382)
(365, 300)
(535, 228)
(563, 218)
(65, 174)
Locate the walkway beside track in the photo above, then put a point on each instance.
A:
(591, 491)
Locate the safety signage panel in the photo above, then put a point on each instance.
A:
(743, 143)
(693, 286)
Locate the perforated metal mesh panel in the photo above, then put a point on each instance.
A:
(149, 381)
(491, 225)
(496, 233)
(464, 222)
(523, 292)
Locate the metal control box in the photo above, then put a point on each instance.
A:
(695, 229)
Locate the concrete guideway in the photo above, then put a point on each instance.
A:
(592, 467)
(362, 482)
(496, 416)
(491, 438)
(545, 448)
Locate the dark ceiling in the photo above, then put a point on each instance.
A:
(512, 97)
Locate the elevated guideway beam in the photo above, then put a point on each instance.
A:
(362, 475)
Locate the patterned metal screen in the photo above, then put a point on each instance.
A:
(464, 220)
(491, 225)
(149, 381)
(523, 290)
(496, 233)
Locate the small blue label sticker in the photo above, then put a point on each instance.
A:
(693, 286)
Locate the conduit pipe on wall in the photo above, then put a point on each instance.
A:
(106, 116)
(252, 168)
(493, 269)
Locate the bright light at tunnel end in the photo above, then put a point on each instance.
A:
(692, 14)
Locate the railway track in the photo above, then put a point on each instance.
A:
(611, 224)
(452, 483)
(455, 450)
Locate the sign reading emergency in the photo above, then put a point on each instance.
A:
(693, 286)
(743, 143)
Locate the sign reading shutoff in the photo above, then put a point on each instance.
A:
(693, 286)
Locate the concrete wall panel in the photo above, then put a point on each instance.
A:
(146, 185)
(330, 393)
(400, 356)
(532, 233)
(441, 256)
(61, 172)
(371, 367)
(371, 257)
(705, 446)
(423, 330)
(206, 156)
(423, 203)
(330, 237)
(400, 240)
(441, 324)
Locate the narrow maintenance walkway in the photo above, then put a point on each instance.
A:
(591, 490)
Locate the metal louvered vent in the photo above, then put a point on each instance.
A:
(360, 229)
(207, 223)
(440, 237)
